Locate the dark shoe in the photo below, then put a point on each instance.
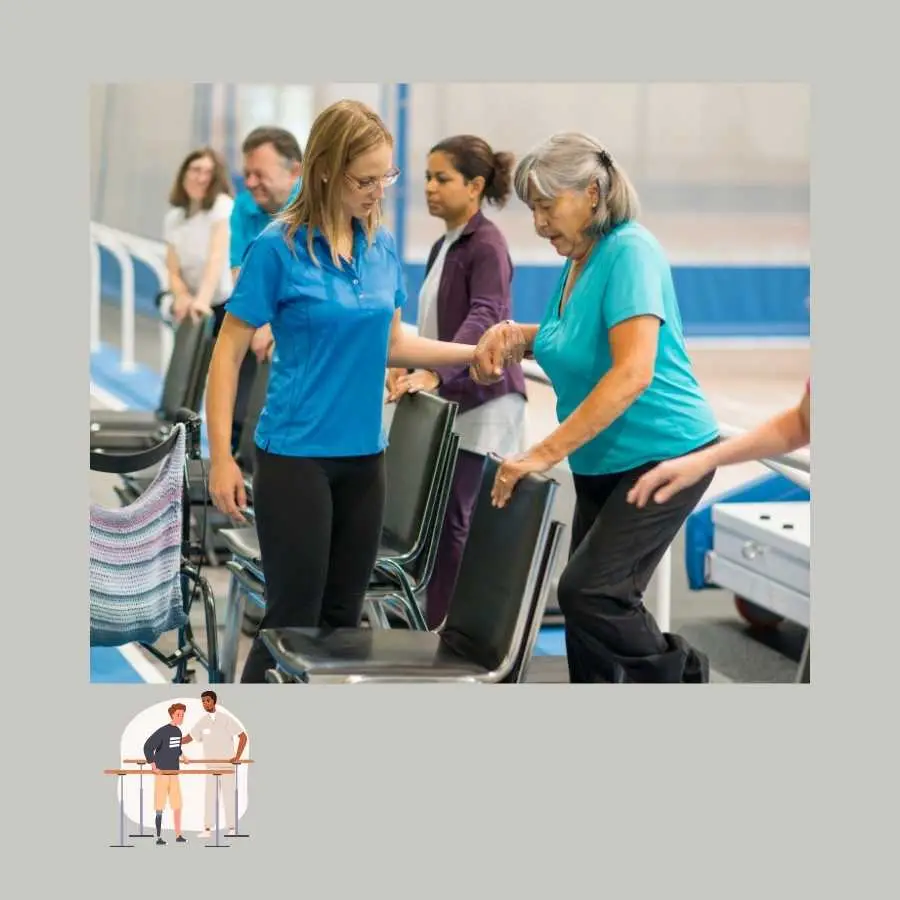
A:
(159, 840)
(181, 839)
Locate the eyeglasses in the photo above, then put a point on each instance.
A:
(370, 185)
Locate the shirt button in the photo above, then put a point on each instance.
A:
(355, 281)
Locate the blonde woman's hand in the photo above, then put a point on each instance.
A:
(262, 343)
(226, 489)
(392, 382)
(420, 380)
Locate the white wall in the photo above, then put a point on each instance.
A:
(139, 135)
(735, 150)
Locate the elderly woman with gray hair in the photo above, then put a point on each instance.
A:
(612, 345)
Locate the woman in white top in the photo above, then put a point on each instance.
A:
(196, 232)
(466, 291)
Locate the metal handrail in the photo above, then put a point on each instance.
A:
(126, 248)
(108, 238)
(153, 255)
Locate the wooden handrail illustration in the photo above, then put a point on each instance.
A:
(143, 762)
(169, 772)
(216, 773)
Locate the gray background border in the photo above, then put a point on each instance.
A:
(729, 792)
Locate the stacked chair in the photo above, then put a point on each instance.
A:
(492, 625)
(183, 385)
(420, 463)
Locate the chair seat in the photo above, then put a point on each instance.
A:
(127, 441)
(242, 542)
(197, 473)
(366, 652)
(125, 420)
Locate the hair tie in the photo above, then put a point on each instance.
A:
(604, 158)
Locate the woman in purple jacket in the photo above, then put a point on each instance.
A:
(466, 290)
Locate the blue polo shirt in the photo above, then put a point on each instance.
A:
(248, 220)
(331, 328)
(627, 275)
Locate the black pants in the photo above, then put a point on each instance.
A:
(245, 382)
(610, 635)
(319, 526)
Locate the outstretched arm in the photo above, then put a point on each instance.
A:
(411, 351)
(783, 433)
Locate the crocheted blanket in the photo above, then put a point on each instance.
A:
(136, 592)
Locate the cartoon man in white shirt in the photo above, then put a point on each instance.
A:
(216, 731)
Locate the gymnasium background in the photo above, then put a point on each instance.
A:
(722, 170)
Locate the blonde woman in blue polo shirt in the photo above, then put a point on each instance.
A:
(611, 342)
(326, 276)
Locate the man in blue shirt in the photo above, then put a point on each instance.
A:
(273, 164)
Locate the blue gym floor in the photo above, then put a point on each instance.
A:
(109, 666)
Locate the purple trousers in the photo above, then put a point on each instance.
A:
(455, 530)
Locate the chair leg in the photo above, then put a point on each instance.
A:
(414, 615)
(209, 544)
(406, 597)
(213, 663)
(410, 605)
(278, 676)
(234, 613)
(375, 614)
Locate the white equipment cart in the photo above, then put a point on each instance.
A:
(761, 553)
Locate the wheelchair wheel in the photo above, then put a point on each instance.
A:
(756, 616)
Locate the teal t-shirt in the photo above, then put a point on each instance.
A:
(627, 275)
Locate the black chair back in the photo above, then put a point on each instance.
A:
(420, 430)
(246, 449)
(537, 605)
(421, 568)
(498, 572)
(194, 397)
(192, 344)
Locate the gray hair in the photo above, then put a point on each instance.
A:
(571, 161)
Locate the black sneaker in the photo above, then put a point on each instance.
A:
(159, 840)
(181, 839)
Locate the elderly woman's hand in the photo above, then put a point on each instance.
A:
(500, 345)
(513, 470)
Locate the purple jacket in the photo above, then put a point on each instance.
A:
(474, 294)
